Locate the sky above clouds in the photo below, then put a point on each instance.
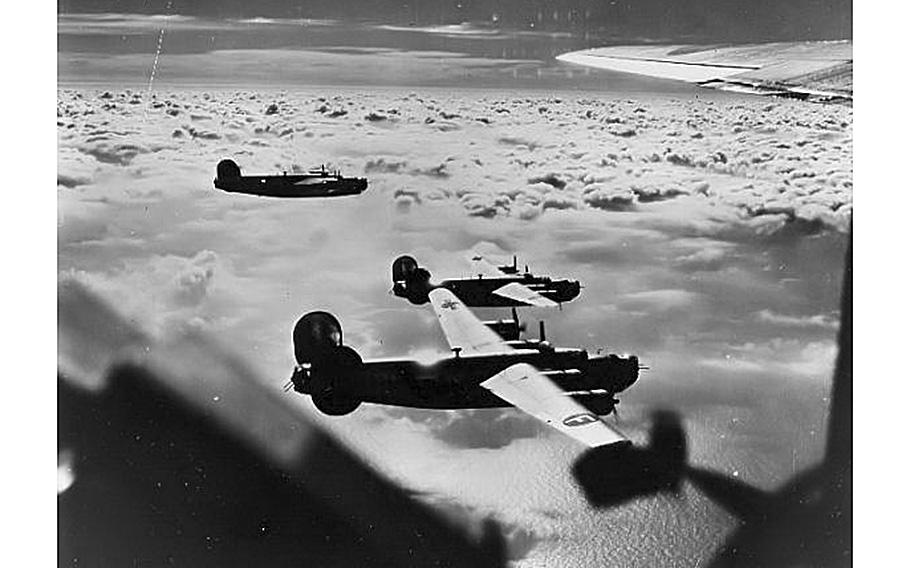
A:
(708, 230)
(700, 20)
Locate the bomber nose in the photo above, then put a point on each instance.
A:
(630, 373)
(575, 288)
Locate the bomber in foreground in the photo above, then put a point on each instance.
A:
(315, 183)
(564, 388)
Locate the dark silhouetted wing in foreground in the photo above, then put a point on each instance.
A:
(807, 522)
(179, 456)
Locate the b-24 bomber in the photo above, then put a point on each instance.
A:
(315, 183)
(567, 389)
(489, 286)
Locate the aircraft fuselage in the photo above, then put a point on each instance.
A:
(478, 291)
(454, 382)
(307, 185)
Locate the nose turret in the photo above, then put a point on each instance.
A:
(574, 288)
(628, 372)
(616, 372)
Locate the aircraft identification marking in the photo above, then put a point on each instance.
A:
(449, 305)
(579, 419)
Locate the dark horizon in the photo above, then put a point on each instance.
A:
(694, 20)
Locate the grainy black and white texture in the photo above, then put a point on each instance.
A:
(708, 229)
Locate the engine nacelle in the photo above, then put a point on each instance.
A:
(410, 280)
(328, 389)
(334, 405)
(599, 404)
(227, 170)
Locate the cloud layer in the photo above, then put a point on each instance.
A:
(708, 232)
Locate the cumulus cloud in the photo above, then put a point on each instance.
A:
(724, 190)
(118, 153)
(660, 300)
(609, 199)
(75, 168)
(527, 211)
(550, 179)
(559, 202)
(823, 321)
(702, 253)
(778, 357)
(518, 141)
(380, 165)
(165, 292)
(480, 205)
(383, 166)
(793, 178)
(650, 195)
(191, 284)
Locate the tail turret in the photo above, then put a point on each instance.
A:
(324, 364)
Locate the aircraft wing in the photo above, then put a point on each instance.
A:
(811, 70)
(528, 389)
(514, 290)
(521, 293)
(462, 328)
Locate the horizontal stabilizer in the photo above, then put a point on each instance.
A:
(521, 293)
(480, 266)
